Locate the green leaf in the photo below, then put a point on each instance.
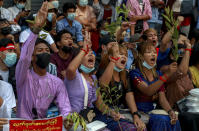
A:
(168, 25)
(76, 124)
(167, 18)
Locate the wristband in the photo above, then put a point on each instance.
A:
(35, 30)
(115, 59)
(166, 76)
(188, 50)
(86, 52)
(162, 79)
(136, 113)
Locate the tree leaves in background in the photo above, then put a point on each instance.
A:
(111, 28)
(172, 25)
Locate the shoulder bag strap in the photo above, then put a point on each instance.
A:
(86, 92)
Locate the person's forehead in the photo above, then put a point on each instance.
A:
(66, 35)
(71, 10)
(111, 43)
(41, 46)
(151, 33)
(123, 51)
(151, 48)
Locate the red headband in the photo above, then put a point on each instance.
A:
(9, 46)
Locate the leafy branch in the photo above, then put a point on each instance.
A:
(78, 120)
(111, 97)
(172, 25)
(111, 28)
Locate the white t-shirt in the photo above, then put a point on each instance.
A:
(14, 11)
(4, 75)
(24, 36)
(5, 14)
(9, 102)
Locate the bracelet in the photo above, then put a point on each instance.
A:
(165, 75)
(115, 59)
(188, 50)
(136, 113)
(86, 52)
(35, 30)
(170, 111)
(162, 79)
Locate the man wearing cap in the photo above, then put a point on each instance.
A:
(35, 87)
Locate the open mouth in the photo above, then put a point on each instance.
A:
(90, 60)
(153, 59)
(70, 44)
(123, 62)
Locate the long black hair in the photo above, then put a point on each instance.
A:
(194, 55)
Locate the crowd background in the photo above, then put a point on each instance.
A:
(52, 58)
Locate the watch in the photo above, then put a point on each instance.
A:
(136, 113)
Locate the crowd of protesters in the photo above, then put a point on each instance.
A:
(51, 59)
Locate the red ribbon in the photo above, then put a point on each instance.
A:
(8, 47)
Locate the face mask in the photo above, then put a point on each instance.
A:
(117, 69)
(20, 6)
(103, 32)
(145, 64)
(43, 60)
(105, 2)
(6, 30)
(10, 59)
(71, 16)
(67, 49)
(83, 3)
(86, 69)
(50, 17)
(55, 4)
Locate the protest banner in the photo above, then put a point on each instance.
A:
(53, 124)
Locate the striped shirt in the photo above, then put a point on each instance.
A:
(134, 7)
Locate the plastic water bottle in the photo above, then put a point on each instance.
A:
(127, 36)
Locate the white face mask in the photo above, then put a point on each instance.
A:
(105, 2)
(145, 64)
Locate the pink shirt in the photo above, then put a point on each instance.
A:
(36, 91)
(134, 7)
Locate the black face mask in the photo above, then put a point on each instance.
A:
(67, 49)
(43, 60)
(6, 30)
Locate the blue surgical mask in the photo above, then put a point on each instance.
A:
(103, 32)
(55, 4)
(117, 69)
(83, 2)
(20, 6)
(86, 69)
(50, 17)
(71, 16)
(145, 64)
(10, 59)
